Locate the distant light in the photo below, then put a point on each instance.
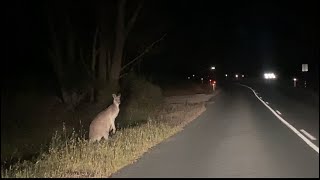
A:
(226, 75)
(295, 79)
(304, 67)
(213, 68)
(236, 75)
(193, 75)
(214, 82)
(188, 77)
(242, 75)
(201, 79)
(269, 76)
(210, 80)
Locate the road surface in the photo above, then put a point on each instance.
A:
(237, 136)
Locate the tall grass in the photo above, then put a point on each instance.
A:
(74, 156)
(143, 122)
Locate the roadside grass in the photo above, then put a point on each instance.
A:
(73, 156)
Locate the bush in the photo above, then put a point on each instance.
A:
(140, 98)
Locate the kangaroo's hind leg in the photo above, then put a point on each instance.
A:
(113, 128)
(106, 135)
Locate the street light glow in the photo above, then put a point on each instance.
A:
(295, 79)
(193, 75)
(237, 75)
(242, 75)
(213, 68)
(226, 75)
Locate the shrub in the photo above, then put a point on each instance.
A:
(139, 99)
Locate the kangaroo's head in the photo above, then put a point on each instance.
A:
(116, 99)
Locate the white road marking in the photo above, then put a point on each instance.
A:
(306, 140)
(308, 135)
(278, 112)
(267, 102)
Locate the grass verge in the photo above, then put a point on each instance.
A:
(74, 157)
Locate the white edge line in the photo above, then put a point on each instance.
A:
(306, 140)
(307, 134)
(278, 112)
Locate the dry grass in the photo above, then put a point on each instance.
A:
(74, 157)
(187, 88)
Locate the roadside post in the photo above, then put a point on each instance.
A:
(214, 85)
(294, 82)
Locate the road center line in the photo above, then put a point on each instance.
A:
(308, 135)
(306, 140)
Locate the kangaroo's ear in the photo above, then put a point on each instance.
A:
(114, 96)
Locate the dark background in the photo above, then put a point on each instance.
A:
(247, 37)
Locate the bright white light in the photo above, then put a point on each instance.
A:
(213, 68)
(294, 79)
(226, 75)
(242, 75)
(193, 75)
(201, 79)
(269, 76)
(237, 75)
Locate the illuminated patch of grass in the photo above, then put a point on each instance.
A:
(74, 156)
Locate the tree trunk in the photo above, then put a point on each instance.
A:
(70, 43)
(119, 46)
(117, 59)
(102, 60)
(56, 59)
(109, 65)
(93, 90)
(122, 30)
(102, 69)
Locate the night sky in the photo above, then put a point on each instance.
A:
(248, 36)
(235, 36)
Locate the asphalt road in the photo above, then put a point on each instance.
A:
(300, 108)
(237, 136)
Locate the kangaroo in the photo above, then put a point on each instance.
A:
(103, 123)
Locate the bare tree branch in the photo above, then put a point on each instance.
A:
(122, 75)
(143, 53)
(133, 18)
